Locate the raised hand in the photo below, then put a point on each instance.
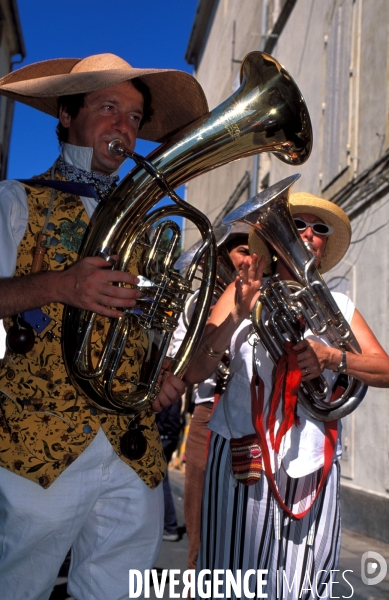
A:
(248, 284)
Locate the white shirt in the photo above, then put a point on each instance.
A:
(14, 208)
(302, 450)
(205, 391)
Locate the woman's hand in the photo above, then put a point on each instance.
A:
(247, 285)
(312, 357)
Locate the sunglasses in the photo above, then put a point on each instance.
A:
(318, 228)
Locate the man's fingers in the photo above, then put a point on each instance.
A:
(156, 406)
(174, 387)
(95, 265)
(90, 285)
(171, 391)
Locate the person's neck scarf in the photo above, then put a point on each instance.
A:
(104, 184)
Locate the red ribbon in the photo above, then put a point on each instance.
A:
(330, 437)
(287, 379)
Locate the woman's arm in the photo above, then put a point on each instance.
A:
(370, 367)
(228, 313)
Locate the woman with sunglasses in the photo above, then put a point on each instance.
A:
(284, 520)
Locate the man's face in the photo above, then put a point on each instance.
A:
(108, 114)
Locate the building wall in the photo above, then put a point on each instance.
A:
(11, 48)
(341, 49)
(218, 73)
(12, 51)
(337, 52)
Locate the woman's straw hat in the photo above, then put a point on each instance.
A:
(330, 213)
(177, 98)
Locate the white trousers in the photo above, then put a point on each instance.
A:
(99, 507)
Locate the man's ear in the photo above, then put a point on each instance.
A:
(64, 117)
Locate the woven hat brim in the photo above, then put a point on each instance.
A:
(177, 98)
(259, 246)
(331, 214)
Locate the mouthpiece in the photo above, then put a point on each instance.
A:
(309, 247)
(116, 148)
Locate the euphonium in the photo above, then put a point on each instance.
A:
(290, 305)
(266, 114)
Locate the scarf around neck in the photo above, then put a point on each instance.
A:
(104, 184)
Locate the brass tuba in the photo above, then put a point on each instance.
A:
(293, 304)
(266, 114)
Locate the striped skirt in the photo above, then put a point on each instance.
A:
(243, 528)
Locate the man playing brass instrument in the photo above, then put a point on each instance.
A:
(66, 479)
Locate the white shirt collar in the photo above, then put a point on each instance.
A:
(80, 157)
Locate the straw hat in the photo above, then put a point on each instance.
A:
(259, 245)
(330, 213)
(177, 98)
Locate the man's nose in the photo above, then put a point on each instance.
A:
(123, 128)
(121, 123)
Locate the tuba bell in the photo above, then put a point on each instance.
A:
(291, 305)
(266, 114)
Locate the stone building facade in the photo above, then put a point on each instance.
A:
(12, 52)
(338, 53)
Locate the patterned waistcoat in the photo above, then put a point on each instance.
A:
(45, 423)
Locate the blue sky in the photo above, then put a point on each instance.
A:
(146, 33)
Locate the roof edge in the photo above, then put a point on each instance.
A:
(279, 25)
(20, 47)
(199, 27)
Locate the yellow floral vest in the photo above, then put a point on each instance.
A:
(45, 423)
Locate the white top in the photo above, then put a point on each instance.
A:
(14, 208)
(302, 450)
(205, 391)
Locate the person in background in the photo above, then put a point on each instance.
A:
(169, 423)
(232, 251)
(73, 475)
(271, 491)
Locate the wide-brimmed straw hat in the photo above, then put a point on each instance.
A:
(330, 213)
(177, 98)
